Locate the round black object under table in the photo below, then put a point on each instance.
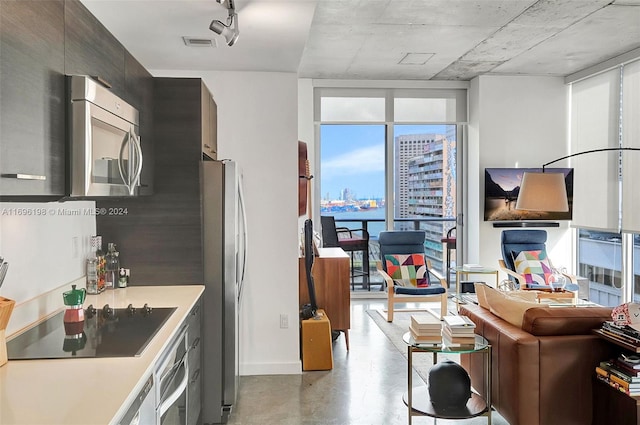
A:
(418, 399)
(475, 406)
(449, 386)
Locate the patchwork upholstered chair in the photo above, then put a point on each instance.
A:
(525, 260)
(407, 274)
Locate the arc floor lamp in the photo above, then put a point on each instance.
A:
(540, 191)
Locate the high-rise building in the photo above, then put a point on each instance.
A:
(425, 186)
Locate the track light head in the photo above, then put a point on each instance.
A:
(229, 4)
(230, 34)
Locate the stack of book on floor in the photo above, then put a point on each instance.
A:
(620, 374)
(458, 331)
(621, 333)
(425, 328)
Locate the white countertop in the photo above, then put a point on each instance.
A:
(90, 391)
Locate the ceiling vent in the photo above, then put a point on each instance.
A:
(199, 42)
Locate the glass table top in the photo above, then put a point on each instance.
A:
(440, 347)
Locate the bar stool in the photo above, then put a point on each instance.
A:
(450, 242)
(351, 241)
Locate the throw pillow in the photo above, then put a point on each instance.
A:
(482, 299)
(534, 266)
(509, 309)
(407, 270)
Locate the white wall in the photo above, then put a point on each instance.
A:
(257, 127)
(514, 122)
(45, 245)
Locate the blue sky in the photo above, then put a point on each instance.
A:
(353, 156)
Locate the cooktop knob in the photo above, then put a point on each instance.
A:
(146, 310)
(131, 310)
(107, 312)
(90, 311)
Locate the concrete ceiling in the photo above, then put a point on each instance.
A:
(379, 39)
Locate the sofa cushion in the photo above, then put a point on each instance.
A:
(510, 309)
(407, 270)
(534, 266)
(564, 320)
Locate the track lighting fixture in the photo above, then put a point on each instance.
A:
(229, 30)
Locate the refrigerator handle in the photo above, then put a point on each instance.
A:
(243, 214)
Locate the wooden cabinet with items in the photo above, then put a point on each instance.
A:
(32, 104)
(331, 279)
(209, 124)
(612, 402)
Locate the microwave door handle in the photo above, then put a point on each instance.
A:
(138, 172)
(125, 180)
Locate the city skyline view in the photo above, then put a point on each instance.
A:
(352, 157)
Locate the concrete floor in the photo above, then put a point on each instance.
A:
(365, 386)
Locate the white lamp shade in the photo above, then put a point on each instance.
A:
(543, 192)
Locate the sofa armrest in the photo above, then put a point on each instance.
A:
(515, 358)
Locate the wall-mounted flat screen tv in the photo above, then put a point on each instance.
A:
(501, 188)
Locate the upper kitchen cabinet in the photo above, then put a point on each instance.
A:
(209, 124)
(91, 49)
(32, 101)
(40, 43)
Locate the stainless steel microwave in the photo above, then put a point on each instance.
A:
(106, 155)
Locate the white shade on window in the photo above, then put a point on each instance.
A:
(595, 106)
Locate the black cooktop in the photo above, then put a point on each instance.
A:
(106, 332)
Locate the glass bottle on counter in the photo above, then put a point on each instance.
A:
(93, 262)
(101, 264)
(123, 279)
(112, 266)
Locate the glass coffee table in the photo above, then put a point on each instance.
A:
(418, 400)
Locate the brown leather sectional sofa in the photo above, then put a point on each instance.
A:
(543, 373)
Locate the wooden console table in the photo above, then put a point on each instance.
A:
(331, 278)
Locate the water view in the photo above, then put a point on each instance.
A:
(374, 227)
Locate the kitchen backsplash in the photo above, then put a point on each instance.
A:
(45, 245)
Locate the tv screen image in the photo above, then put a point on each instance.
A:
(501, 189)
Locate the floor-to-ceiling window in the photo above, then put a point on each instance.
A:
(604, 110)
(388, 160)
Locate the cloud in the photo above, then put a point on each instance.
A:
(360, 161)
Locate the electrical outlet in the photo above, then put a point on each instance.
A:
(284, 321)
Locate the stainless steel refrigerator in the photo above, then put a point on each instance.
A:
(224, 237)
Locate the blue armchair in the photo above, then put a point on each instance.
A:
(513, 242)
(419, 283)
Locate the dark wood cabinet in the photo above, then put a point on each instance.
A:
(90, 49)
(32, 101)
(40, 43)
(160, 237)
(611, 406)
